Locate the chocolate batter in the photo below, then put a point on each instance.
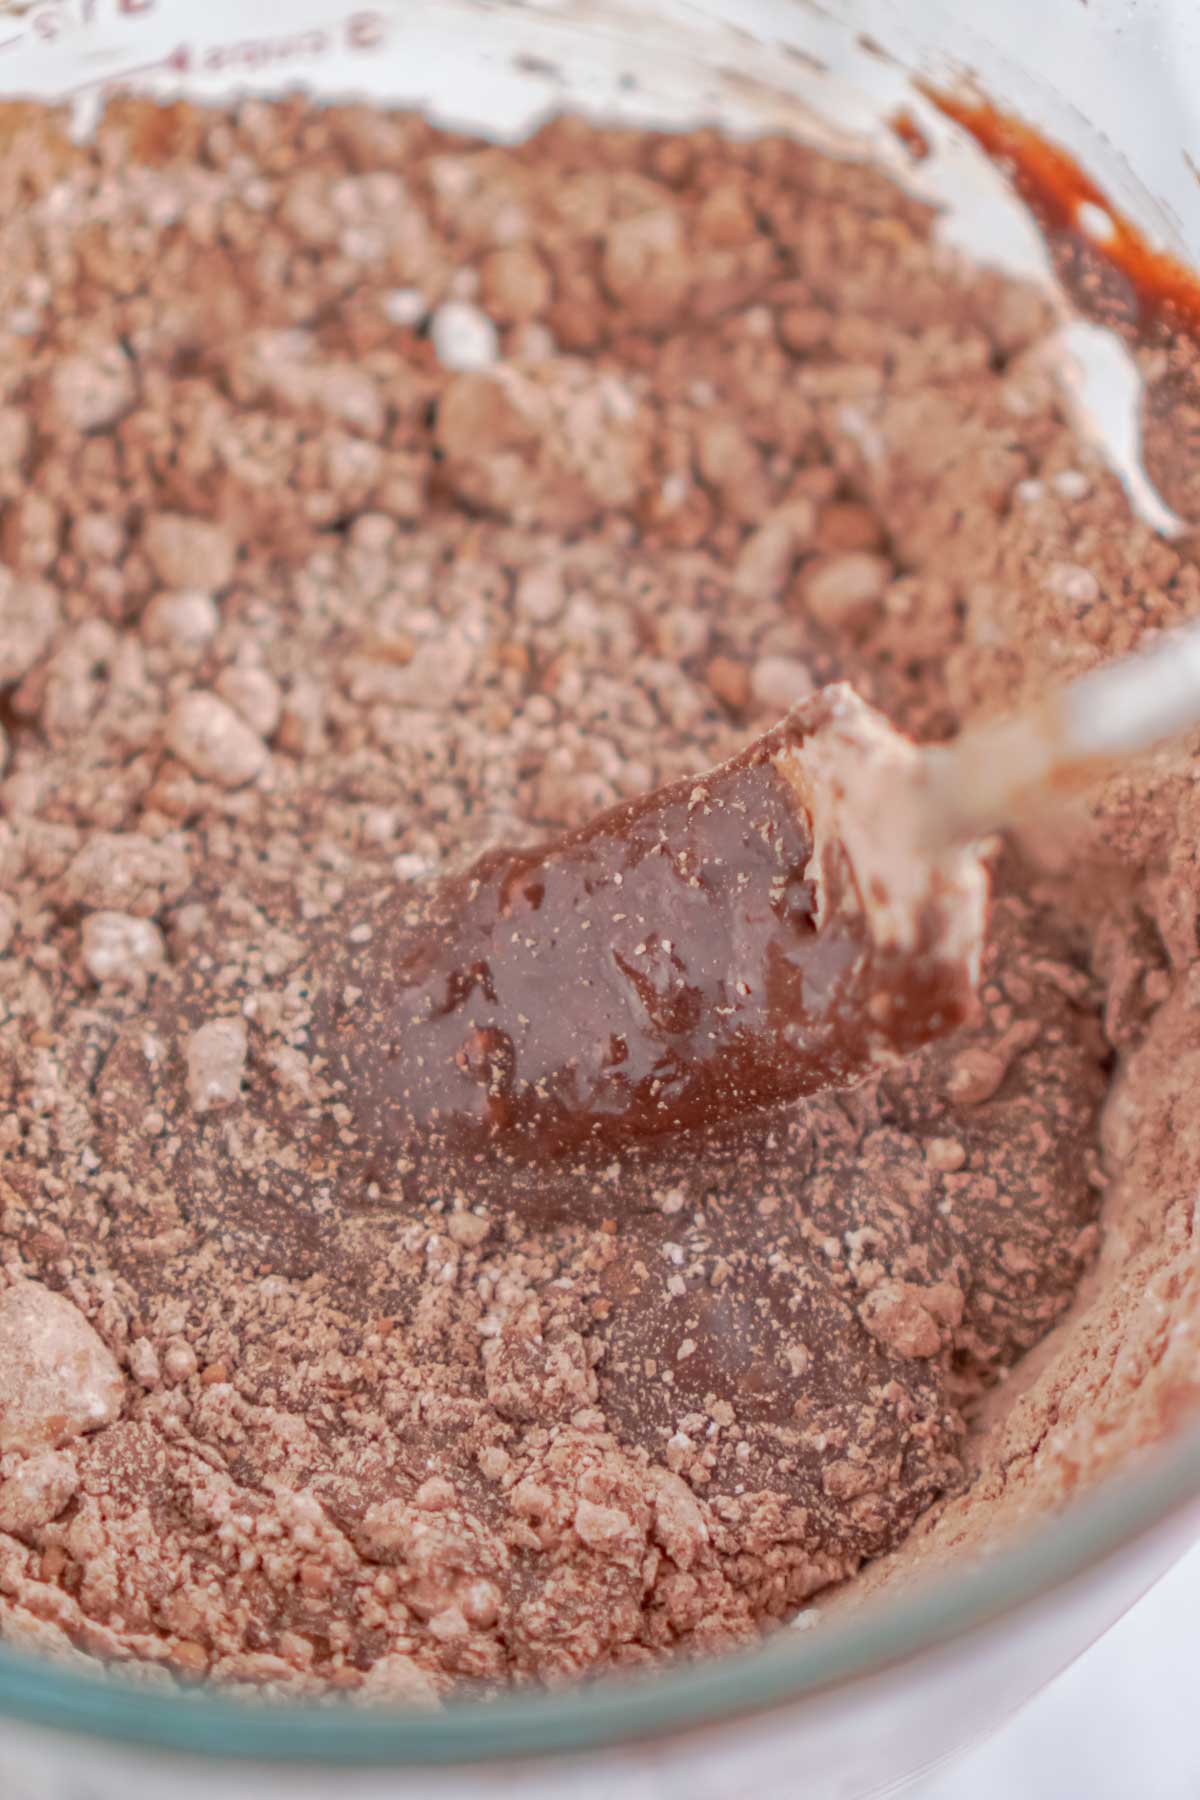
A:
(682, 962)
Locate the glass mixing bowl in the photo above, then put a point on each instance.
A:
(859, 1705)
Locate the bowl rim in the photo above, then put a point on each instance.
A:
(616, 1711)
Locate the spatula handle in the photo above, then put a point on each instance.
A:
(981, 781)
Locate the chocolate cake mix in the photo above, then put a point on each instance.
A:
(375, 499)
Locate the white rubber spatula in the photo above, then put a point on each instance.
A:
(907, 820)
(981, 780)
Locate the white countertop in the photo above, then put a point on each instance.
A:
(1122, 1724)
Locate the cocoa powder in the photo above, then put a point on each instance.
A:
(371, 496)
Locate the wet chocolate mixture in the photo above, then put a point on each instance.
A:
(378, 503)
(669, 968)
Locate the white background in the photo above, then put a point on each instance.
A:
(1122, 1724)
